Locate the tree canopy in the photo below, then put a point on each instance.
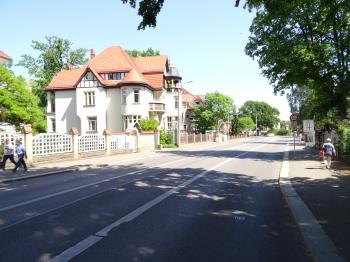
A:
(304, 47)
(217, 106)
(149, 9)
(54, 54)
(17, 104)
(266, 115)
(137, 53)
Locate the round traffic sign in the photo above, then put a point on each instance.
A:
(294, 117)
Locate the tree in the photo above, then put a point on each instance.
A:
(266, 115)
(54, 54)
(17, 104)
(149, 52)
(304, 45)
(245, 124)
(217, 106)
(149, 10)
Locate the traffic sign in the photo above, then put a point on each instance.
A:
(294, 117)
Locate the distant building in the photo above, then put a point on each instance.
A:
(115, 91)
(4, 58)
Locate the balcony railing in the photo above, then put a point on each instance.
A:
(156, 106)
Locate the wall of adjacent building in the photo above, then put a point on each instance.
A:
(98, 111)
(114, 117)
(65, 113)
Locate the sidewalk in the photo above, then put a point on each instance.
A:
(325, 192)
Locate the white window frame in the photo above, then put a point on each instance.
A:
(89, 98)
(92, 124)
(136, 96)
(123, 97)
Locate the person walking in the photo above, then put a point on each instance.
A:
(8, 153)
(329, 151)
(21, 153)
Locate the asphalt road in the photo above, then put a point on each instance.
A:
(211, 203)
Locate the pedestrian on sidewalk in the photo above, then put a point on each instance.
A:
(329, 151)
(21, 153)
(8, 153)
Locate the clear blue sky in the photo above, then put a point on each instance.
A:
(204, 39)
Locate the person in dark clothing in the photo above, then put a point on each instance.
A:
(8, 153)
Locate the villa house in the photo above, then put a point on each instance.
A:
(4, 58)
(114, 91)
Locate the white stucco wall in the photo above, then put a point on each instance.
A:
(114, 118)
(65, 114)
(98, 111)
(142, 108)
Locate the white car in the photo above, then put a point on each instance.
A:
(7, 128)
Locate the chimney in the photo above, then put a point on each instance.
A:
(69, 66)
(92, 53)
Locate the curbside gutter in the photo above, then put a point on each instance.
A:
(26, 176)
(321, 246)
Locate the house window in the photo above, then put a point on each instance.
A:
(124, 97)
(53, 125)
(129, 121)
(115, 76)
(176, 102)
(92, 121)
(89, 98)
(136, 96)
(170, 124)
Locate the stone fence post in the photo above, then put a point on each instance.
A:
(74, 133)
(28, 143)
(107, 134)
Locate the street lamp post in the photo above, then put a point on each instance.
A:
(179, 104)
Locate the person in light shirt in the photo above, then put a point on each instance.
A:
(21, 153)
(8, 153)
(329, 151)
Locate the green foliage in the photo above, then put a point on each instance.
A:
(148, 124)
(1, 151)
(166, 138)
(303, 45)
(148, 10)
(266, 115)
(343, 145)
(216, 107)
(54, 54)
(149, 52)
(245, 124)
(18, 104)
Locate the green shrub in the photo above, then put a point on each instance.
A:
(148, 124)
(169, 146)
(283, 132)
(1, 151)
(343, 144)
(166, 138)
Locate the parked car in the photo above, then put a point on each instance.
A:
(7, 128)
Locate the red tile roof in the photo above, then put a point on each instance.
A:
(5, 56)
(189, 98)
(146, 71)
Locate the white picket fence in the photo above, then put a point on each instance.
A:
(120, 142)
(91, 142)
(52, 143)
(56, 143)
(12, 136)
